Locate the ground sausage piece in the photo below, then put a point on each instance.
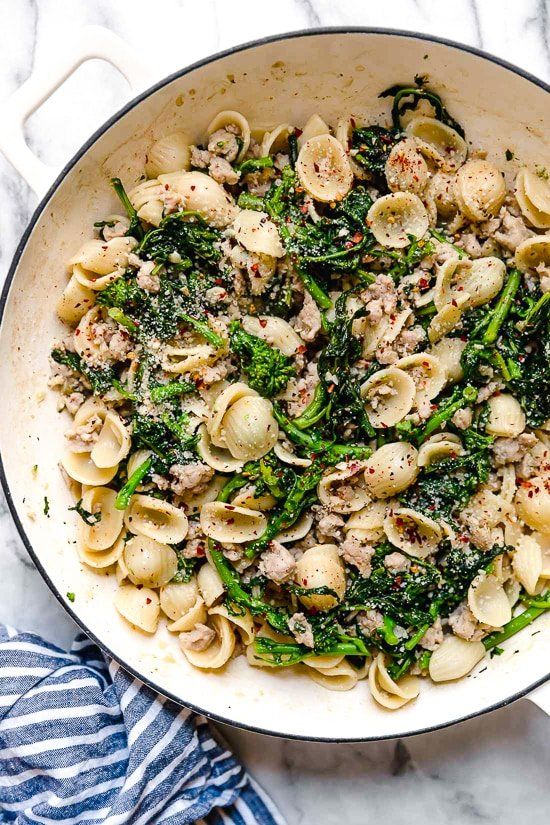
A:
(222, 171)
(198, 639)
(463, 418)
(512, 231)
(433, 637)
(187, 477)
(370, 621)
(223, 142)
(510, 450)
(397, 563)
(301, 630)
(308, 321)
(82, 438)
(464, 624)
(358, 554)
(277, 563)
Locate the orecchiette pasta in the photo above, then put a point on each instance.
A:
(171, 153)
(479, 189)
(533, 196)
(306, 375)
(394, 218)
(439, 142)
(388, 693)
(321, 567)
(323, 169)
(159, 520)
(388, 395)
(140, 607)
(391, 469)
(149, 562)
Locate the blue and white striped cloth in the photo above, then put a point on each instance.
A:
(81, 741)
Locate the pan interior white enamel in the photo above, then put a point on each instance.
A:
(282, 81)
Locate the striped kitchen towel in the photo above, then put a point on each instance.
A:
(81, 741)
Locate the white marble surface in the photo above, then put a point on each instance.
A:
(493, 769)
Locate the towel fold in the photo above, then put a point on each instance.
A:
(81, 741)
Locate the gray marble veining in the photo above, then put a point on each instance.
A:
(491, 770)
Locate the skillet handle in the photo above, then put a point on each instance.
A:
(90, 42)
(541, 697)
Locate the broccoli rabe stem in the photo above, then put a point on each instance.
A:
(502, 308)
(460, 398)
(204, 330)
(286, 654)
(118, 315)
(319, 296)
(135, 229)
(248, 201)
(125, 493)
(516, 624)
(330, 452)
(318, 407)
(532, 316)
(167, 391)
(255, 165)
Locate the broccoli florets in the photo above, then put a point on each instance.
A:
(267, 368)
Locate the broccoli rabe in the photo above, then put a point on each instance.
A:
(101, 379)
(268, 370)
(372, 145)
(406, 97)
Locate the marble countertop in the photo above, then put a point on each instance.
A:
(493, 769)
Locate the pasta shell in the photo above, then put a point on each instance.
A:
(544, 544)
(441, 191)
(243, 621)
(533, 196)
(275, 331)
(229, 524)
(454, 658)
(232, 118)
(104, 257)
(194, 501)
(149, 562)
(343, 134)
(113, 444)
(533, 253)
(527, 563)
(439, 142)
(449, 352)
(488, 601)
(412, 532)
(506, 418)
(195, 615)
(388, 395)
(219, 652)
(314, 127)
(339, 677)
(75, 301)
(210, 584)
(140, 607)
(323, 169)
(427, 372)
(299, 530)
(171, 153)
(388, 693)
(246, 497)
(100, 559)
(222, 403)
(249, 429)
(80, 467)
(181, 360)
(276, 140)
(157, 519)
(136, 460)
(147, 200)
(219, 458)
(178, 599)
(394, 219)
(370, 517)
(439, 447)
(390, 470)
(101, 502)
(90, 280)
(287, 457)
(406, 170)
(479, 189)
(257, 233)
(481, 280)
(343, 490)
(447, 318)
(201, 193)
(321, 566)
